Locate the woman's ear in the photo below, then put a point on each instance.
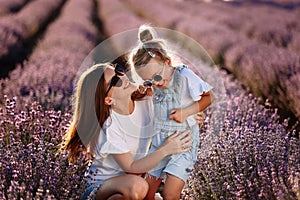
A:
(108, 101)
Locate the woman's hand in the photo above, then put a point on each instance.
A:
(178, 143)
(199, 117)
(145, 90)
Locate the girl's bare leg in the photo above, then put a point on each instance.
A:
(123, 187)
(153, 183)
(173, 187)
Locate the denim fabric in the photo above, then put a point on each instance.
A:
(91, 190)
(164, 101)
(179, 165)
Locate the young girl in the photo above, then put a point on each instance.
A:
(117, 132)
(178, 94)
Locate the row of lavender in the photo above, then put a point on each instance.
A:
(268, 70)
(113, 13)
(8, 7)
(262, 23)
(30, 128)
(287, 4)
(254, 157)
(19, 28)
(48, 74)
(29, 133)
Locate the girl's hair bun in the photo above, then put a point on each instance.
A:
(146, 33)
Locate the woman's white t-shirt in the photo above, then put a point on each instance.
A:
(124, 133)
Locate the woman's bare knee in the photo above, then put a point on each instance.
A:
(127, 187)
(138, 187)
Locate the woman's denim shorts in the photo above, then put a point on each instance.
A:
(91, 190)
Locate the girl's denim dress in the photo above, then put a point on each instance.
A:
(164, 101)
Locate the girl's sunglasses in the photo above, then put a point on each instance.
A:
(155, 77)
(149, 83)
(115, 80)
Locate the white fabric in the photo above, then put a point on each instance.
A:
(196, 86)
(191, 90)
(125, 133)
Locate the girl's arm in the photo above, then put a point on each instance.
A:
(181, 114)
(174, 144)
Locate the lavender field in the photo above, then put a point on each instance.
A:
(255, 45)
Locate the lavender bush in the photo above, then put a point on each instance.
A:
(294, 45)
(7, 7)
(252, 20)
(49, 73)
(18, 28)
(117, 12)
(30, 165)
(275, 77)
(255, 157)
(267, 25)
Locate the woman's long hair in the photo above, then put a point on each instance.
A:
(90, 113)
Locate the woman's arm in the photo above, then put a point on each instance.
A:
(174, 144)
(199, 117)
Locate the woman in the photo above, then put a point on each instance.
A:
(117, 132)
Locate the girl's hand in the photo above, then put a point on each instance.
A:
(177, 115)
(199, 117)
(149, 91)
(145, 90)
(178, 143)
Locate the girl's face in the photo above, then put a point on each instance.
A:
(152, 69)
(123, 88)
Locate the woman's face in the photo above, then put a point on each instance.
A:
(124, 90)
(152, 68)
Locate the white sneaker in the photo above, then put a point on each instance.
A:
(158, 196)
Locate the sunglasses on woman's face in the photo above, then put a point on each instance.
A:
(115, 80)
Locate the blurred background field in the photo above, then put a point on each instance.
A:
(255, 45)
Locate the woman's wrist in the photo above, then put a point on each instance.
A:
(163, 150)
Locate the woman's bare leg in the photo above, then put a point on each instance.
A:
(153, 183)
(172, 188)
(116, 197)
(123, 187)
